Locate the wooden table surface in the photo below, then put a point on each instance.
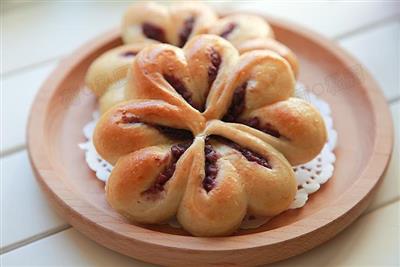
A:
(37, 35)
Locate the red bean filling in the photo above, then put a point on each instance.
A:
(176, 152)
(173, 133)
(231, 26)
(211, 168)
(180, 89)
(128, 118)
(247, 153)
(186, 30)
(128, 54)
(215, 59)
(237, 105)
(153, 32)
(266, 128)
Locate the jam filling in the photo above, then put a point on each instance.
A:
(247, 153)
(186, 31)
(211, 168)
(153, 32)
(176, 152)
(231, 26)
(173, 133)
(266, 128)
(128, 54)
(237, 105)
(180, 89)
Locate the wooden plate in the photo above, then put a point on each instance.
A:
(361, 117)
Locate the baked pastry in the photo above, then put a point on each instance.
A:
(106, 76)
(176, 24)
(208, 135)
(150, 23)
(251, 32)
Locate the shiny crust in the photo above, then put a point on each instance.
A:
(245, 31)
(189, 65)
(297, 121)
(169, 19)
(273, 45)
(135, 173)
(140, 152)
(106, 76)
(242, 28)
(242, 186)
(269, 79)
(114, 137)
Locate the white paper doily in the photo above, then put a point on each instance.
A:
(310, 176)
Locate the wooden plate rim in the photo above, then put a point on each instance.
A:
(367, 182)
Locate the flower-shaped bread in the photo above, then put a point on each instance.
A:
(208, 135)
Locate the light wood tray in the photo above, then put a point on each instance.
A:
(361, 117)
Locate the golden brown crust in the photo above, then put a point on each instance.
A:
(110, 67)
(167, 24)
(167, 21)
(267, 77)
(239, 28)
(238, 161)
(135, 173)
(300, 125)
(199, 53)
(133, 125)
(242, 186)
(218, 212)
(269, 191)
(273, 45)
(106, 76)
(148, 77)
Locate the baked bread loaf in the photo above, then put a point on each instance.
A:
(208, 135)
